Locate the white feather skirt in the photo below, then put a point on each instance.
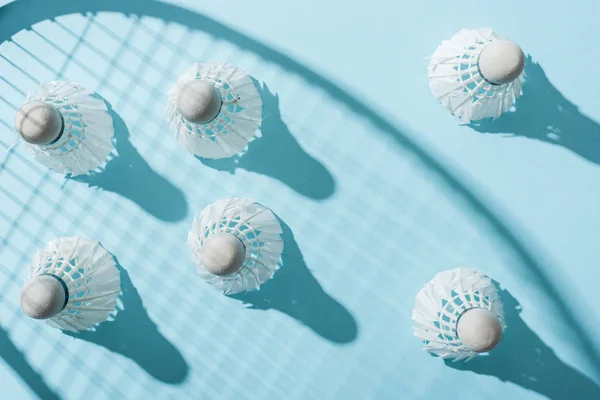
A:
(235, 125)
(443, 300)
(259, 230)
(86, 141)
(90, 275)
(456, 82)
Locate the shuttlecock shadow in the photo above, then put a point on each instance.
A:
(524, 359)
(295, 292)
(543, 113)
(133, 335)
(279, 155)
(17, 361)
(130, 176)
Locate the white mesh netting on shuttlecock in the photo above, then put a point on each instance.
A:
(441, 302)
(86, 140)
(457, 83)
(90, 276)
(258, 229)
(237, 121)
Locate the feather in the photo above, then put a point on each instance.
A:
(237, 121)
(258, 229)
(90, 275)
(456, 82)
(86, 140)
(441, 302)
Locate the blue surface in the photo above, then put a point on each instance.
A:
(377, 185)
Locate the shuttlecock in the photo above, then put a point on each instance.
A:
(477, 74)
(236, 244)
(67, 129)
(214, 110)
(73, 283)
(458, 314)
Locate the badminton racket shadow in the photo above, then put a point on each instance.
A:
(543, 113)
(279, 155)
(23, 14)
(130, 176)
(134, 335)
(17, 361)
(525, 360)
(295, 292)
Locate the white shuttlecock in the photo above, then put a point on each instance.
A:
(73, 283)
(477, 74)
(214, 110)
(236, 244)
(458, 314)
(67, 129)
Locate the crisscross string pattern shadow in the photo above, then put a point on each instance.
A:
(391, 223)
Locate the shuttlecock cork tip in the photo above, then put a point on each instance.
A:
(223, 254)
(479, 329)
(501, 62)
(199, 101)
(43, 296)
(39, 123)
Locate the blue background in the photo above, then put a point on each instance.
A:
(377, 185)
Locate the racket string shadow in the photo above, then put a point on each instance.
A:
(25, 13)
(279, 155)
(295, 291)
(19, 364)
(134, 335)
(130, 176)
